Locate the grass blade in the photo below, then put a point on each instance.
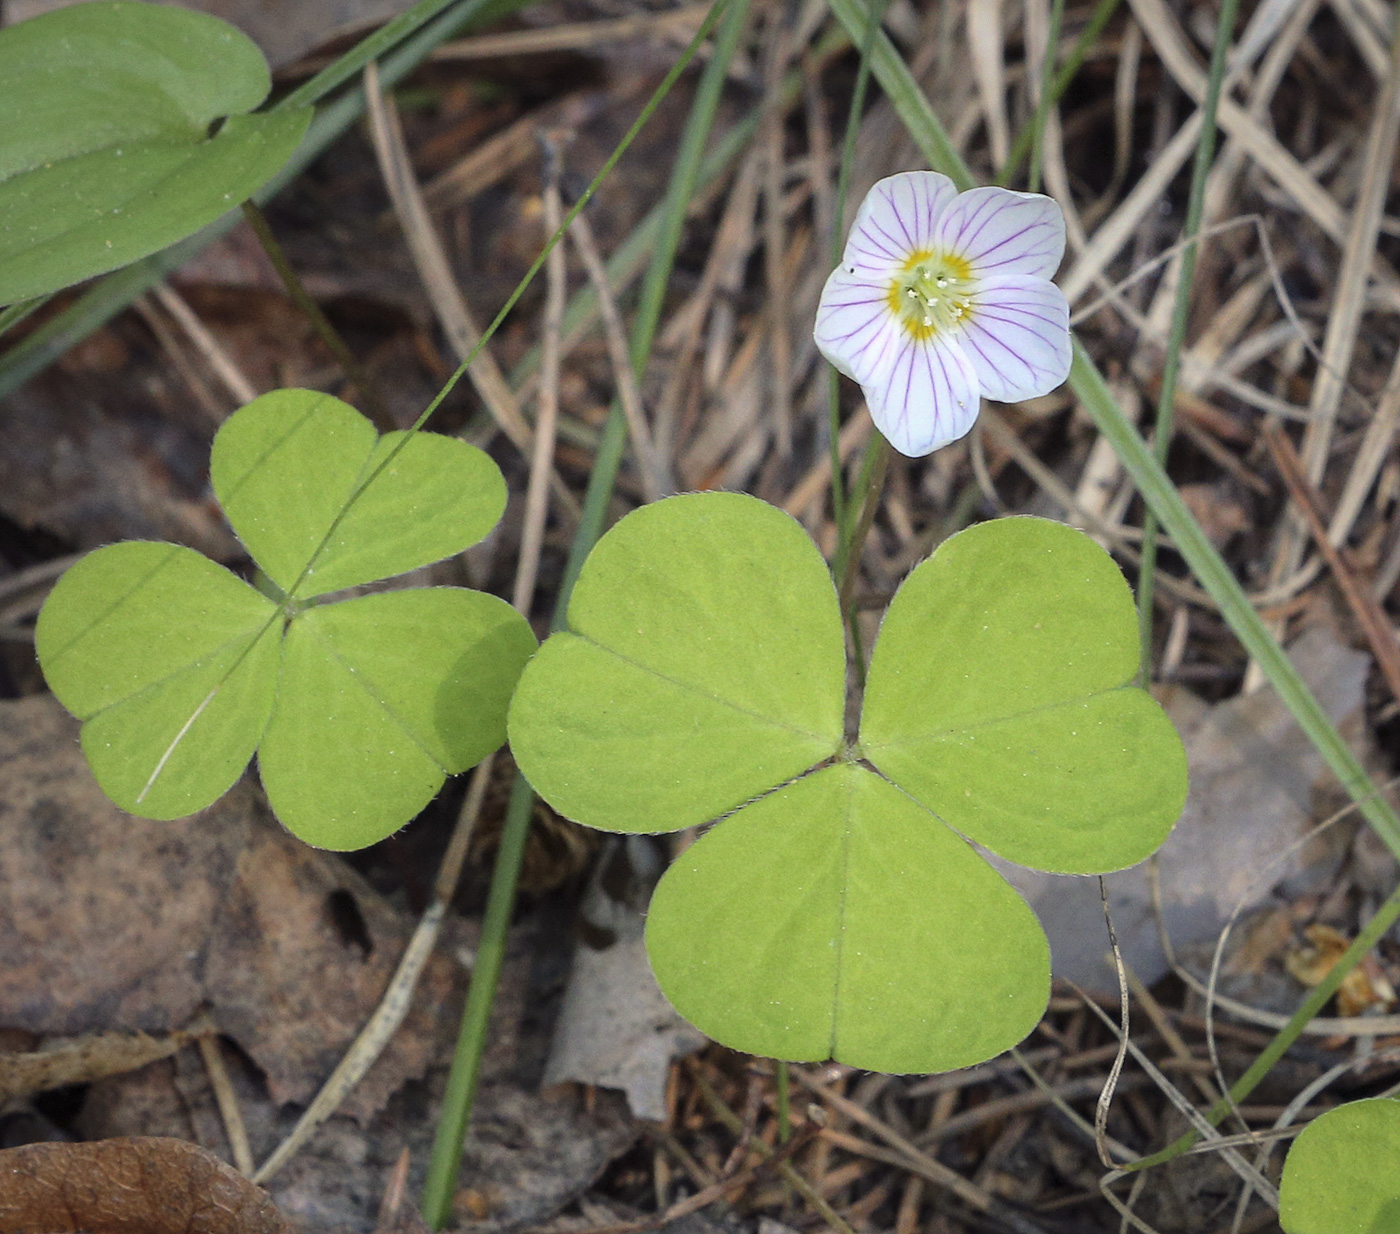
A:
(1181, 312)
(505, 876)
(1190, 540)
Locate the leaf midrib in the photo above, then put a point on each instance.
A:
(701, 693)
(358, 675)
(953, 733)
(251, 639)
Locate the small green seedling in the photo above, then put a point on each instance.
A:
(1342, 1175)
(357, 709)
(124, 127)
(836, 909)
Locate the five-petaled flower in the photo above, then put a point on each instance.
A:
(942, 297)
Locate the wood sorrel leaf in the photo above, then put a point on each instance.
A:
(839, 919)
(171, 661)
(106, 153)
(834, 910)
(359, 709)
(704, 664)
(381, 698)
(1342, 1175)
(1000, 696)
(286, 465)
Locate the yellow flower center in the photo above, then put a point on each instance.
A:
(932, 292)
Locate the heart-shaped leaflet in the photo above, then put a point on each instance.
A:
(124, 128)
(836, 909)
(357, 709)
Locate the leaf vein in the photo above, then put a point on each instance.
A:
(953, 733)
(702, 693)
(365, 684)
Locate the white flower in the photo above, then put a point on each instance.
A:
(942, 297)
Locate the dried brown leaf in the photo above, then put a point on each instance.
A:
(115, 923)
(141, 1185)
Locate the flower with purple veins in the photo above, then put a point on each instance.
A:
(944, 297)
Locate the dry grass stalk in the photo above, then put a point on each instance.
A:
(547, 421)
(656, 479)
(675, 27)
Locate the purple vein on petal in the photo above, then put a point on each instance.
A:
(984, 264)
(899, 218)
(970, 340)
(849, 333)
(932, 434)
(865, 240)
(893, 241)
(991, 314)
(966, 233)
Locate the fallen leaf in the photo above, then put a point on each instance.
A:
(104, 919)
(129, 1186)
(90, 460)
(1363, 989)
(110, 923)
(527, 1154)
(616, 1028)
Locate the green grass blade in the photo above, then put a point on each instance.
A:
(370, 48)
(631, 256)
(1021, 147)
(1157, 489)
(682, 187)
(1042, 111)
(16, 313)
(441, 1183)
(1190, 540)
(1216, 577)
(1374, 931)
(466, 1063)
(839, 504)
(904, 94)
(1181, 312)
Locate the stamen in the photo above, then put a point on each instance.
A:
(936, 285)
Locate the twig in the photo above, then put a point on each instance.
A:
(677, 25)
(438, 280)
(537, 494)
(433, 266)
(800, 1184)
(1369, 614)
(224, 366)
(227, 1101)
(779, 343)
(394, 1006)
(1197, 1120)
(656, 482)
(1359, 256)
(911, 1157)
(853, 434)
(394, 1192)
(775, 1159)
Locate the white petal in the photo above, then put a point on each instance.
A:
(855, 328)
(899, 216)
(999, 232)
(1017, 338)
(926, 398)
